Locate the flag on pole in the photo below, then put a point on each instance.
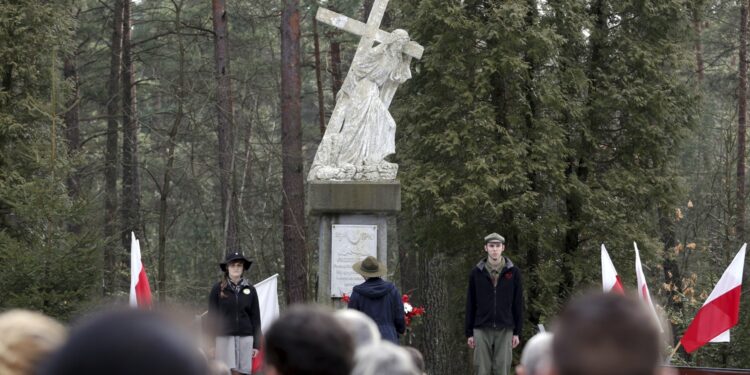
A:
(268, 301)
(643, 293)
(140, 292)
(721, 310)
(610, 279)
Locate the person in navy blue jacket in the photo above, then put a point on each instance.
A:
(494, 309)
(378, 299)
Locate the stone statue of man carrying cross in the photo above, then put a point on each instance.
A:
(361, 132)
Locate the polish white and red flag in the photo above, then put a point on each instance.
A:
(720, 312)
(643, 293)
(140, 291)
(610, 279)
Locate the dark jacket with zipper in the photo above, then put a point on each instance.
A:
(381, 301)
(238, 312)
(494, 307)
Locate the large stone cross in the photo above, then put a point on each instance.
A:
(357, 150)
(370, 32)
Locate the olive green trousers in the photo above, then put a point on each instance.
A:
(493, 351)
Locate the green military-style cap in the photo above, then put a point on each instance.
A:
(494, 237)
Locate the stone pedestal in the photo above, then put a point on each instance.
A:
(372, 203)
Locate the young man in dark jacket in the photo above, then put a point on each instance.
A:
(378, 299)
(494, 309)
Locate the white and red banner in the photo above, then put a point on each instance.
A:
(643, 292)
(140, 291)
(610, 279)
(721, 310)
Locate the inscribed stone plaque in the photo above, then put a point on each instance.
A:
(349, 245)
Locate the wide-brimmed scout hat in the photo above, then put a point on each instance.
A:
(369, 267)
(232, 257)
(494, 237)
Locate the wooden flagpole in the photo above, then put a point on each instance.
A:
(679, 343)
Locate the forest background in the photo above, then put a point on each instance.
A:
(560, 124)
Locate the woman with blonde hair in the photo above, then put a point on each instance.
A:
(27, 338)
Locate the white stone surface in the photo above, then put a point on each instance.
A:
(361, 132)
(339, 21)
(349, 245)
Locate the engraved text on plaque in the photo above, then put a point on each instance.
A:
(350, 244)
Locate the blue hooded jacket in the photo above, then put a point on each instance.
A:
(381, 301)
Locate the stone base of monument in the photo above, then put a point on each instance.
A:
(356, 219)
(354, 197)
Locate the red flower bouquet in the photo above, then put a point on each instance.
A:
(410, 311)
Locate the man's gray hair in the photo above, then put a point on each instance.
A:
(537, 355)
(362, 329)
(383, 358)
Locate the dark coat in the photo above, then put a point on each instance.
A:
(381, 301)
(238, 312)
(494, 307)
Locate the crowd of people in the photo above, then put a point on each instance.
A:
(595, 334)
(305, 340)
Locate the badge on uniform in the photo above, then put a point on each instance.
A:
(246, 291)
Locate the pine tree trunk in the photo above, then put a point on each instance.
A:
(335, 53)
(225, 127)
(741, 124)
(578, 166)
(111, 151)
(246, 178)
(161, 282)
(295, 249)
(319, 79)
(170, 156)
(437, 342)
(698, 44)
(573, 208)
(131, 194)
(672, 274)
(531, 118)
(72, 130)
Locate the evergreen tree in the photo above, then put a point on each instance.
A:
(552, 123)
(37, 253)
(479, 146)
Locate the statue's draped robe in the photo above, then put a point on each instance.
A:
(368, 132)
